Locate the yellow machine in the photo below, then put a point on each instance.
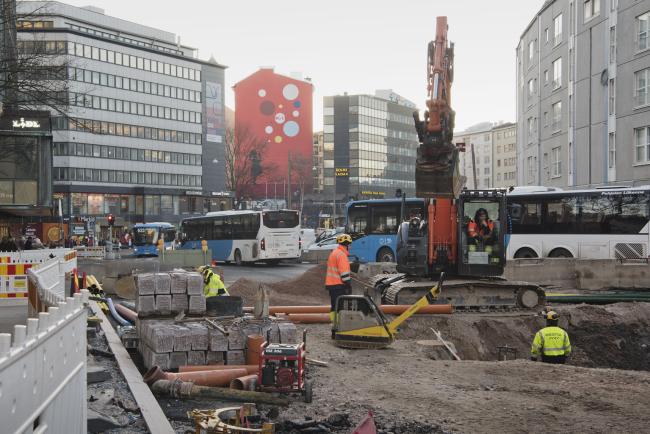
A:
(360, 323)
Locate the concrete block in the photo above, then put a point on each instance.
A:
(217, 341)
(178, 283)
(182, 338)
(161, 337)
(177, 358)
(145, 305)
(235, 358)
(196, 357)
(145, 284)
(288, 333)
(163, 283)
(194, 284)
(164, 304)
(199, 333)
(196, 305)
(179, 303)
(236, 338)
(274, 330)
(152, 358)
(213, 357)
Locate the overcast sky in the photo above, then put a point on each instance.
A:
(353, 46)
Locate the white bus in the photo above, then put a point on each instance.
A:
(608, 223)
(245, 236)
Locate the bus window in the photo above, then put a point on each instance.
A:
(145, 236)
(561, 216)
(530, 219)
(631, 216)
(170, 234)
(384, 219)
(358, 220)
(281, 219)
(219, 229)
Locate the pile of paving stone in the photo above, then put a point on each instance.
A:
(169, 343)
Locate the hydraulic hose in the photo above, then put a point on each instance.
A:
(116, 315)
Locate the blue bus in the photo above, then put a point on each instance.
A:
(373, 225)
(146, 236)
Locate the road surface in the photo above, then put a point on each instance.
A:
(263, 272)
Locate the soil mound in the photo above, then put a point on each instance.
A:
(307, 289)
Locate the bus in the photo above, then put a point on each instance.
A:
(146, 236)
(245, 236)
(373, 226)
(607, 223)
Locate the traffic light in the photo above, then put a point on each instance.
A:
(111, 220)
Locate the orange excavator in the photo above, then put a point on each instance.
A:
(462, 232)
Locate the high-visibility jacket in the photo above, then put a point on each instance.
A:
(213, 285)
(474, 229)
(338, 267)
(551, 341)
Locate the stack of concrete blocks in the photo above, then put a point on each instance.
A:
(170, 345)
(165, 294)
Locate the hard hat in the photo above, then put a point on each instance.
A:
(551, 315)
(202, 268)
(344, 239)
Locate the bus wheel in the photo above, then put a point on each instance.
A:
(385, 255)
(525, 253)
(560, 253)
(238, 260)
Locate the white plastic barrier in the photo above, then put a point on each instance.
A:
(94, 252)
(49, 281)
(14, 266)
(43, 372)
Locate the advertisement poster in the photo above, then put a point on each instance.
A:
(213, 111)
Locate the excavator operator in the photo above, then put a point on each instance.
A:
(338, 278)
(480, 231)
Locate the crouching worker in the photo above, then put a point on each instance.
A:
(212, 284)
(337, 279)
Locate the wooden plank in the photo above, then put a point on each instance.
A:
(439, 336)
(153, 415)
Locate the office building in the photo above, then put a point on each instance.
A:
(317, 161)
(142, 136)
(476, 161)
(583, 106)
(369, 146)
(276, 110)
(504, 155)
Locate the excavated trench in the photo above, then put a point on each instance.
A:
(613, 336)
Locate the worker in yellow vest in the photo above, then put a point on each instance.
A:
(551, 343)
(212, 284)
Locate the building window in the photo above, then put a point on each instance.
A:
(557, 30)
(642, 28)
(545, 76)
(531, 129)
(641, 87)
(592, 9)
(642, 144)
(611, 146)
(612, 96)
(612, 44)
(530, 166)
(531, 88)
(556, 163)
(557, 116)
(546, 35)
(557, 73)
(531, 51)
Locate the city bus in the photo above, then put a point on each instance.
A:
(373, 226)
(608, 223)
(245, 236)
(146, 236)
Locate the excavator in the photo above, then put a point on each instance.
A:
(462, 234)
(445, 239)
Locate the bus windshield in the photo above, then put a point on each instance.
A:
(145, 236)
(280, 219)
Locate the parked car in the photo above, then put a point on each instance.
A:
(307, 237)
(326, 244)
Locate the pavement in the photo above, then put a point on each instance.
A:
(263, 272)
(12, 312)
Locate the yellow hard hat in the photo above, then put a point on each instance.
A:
(344, 239)
(202, 268)
(551, 315)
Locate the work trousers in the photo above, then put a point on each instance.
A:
(335, 292)
(556, 360)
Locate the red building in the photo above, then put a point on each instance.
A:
(277, 110)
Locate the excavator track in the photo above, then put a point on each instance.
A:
(464, 293)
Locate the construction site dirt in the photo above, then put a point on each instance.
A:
(604, 387)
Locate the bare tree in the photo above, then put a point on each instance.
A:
(33, 71)
(244, 160)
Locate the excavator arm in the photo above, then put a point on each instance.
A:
(437, 174)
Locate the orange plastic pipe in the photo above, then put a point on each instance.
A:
(200, 378)
(250, 369)
(253, 343)
(246, 382)
(309, 318)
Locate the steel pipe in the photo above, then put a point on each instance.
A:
(200, 378)
(180, 389)
(126, 312)
(250, 369)
(247, 382)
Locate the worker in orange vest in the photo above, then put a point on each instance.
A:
(480, 231)
(337, 279)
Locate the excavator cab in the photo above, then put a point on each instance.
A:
(481, 232)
